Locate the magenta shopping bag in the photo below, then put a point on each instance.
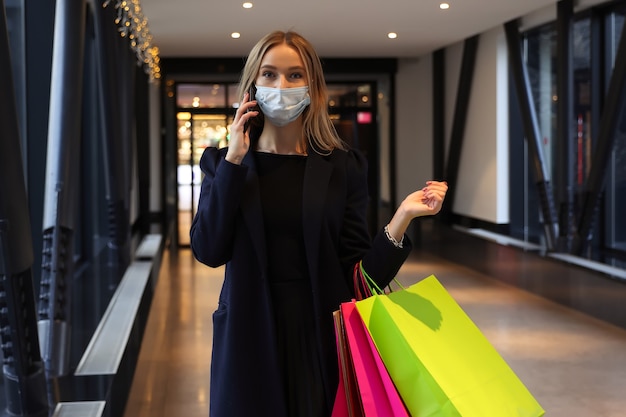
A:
(347, 400)
(378, 395)
(340, 409)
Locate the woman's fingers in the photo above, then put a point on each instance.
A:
(434, 194)
(239, 142)
(244, 114)
(436, 186)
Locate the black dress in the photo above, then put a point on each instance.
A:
(281, 179)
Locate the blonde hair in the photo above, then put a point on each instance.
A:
(318, 128)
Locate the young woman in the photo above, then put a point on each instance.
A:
(284, 207)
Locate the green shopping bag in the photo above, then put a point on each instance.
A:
(440, 362)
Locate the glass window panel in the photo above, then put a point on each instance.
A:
(201, 96)
(233, 99)
(541, 64)
(209, 130)
(616, 224)
(197, 130)
(616, 24)
(540, 60)
(15, 30)
(582, 109)
(349, 95)
(184, 138)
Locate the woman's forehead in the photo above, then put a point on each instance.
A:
(282, 55)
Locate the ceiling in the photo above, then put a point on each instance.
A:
(337, 28)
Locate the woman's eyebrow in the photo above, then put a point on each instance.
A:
(272, 67)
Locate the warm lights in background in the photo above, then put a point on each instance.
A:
(133, 25)
(444, 6)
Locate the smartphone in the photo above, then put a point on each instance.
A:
(252, 94)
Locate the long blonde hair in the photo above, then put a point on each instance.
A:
(318, 128)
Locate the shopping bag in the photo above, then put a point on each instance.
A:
(347, 400)
(438, 359)
(340, 407)
(378, 395)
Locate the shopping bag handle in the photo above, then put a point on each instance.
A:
(372, 286)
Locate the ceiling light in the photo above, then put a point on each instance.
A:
(392, 35)
(247, 5)
(444, 6)
(235, 35)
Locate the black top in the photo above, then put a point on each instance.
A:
(280, 180)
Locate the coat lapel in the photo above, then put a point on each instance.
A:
(252, 211)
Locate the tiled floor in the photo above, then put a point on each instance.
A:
(573, 364)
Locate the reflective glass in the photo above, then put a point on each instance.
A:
(539, 52)
(15, 30)
(541, 56)
(349, 95)
(582, 112)
(616, 233)
(200, 96)
(196, 132)
(233, 99)
(541, 64)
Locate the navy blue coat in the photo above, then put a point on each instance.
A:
(228, 229)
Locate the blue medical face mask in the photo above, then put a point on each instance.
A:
(282, 106)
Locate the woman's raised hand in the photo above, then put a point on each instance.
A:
(239, 142)
(424, 202)
(427, 201)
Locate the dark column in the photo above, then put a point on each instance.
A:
(566, 136)
(439, 102)
(111, 66)
(142, 132)
(62, 168)
(24, 379)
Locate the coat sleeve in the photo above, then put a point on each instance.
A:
(213, 227)
(381, 258)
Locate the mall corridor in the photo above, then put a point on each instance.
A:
(519, 106)
(573, 364)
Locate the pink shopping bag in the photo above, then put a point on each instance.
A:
(347, 401)
(340, 409)
(379, 397)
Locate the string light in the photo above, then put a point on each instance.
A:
(132, 24)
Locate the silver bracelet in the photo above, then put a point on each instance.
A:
(393, 239)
